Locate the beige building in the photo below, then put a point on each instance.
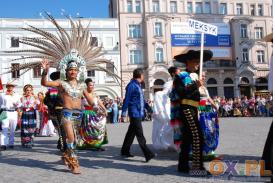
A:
(152, 32)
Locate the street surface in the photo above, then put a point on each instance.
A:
(240, 139)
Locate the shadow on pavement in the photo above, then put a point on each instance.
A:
(109, 159)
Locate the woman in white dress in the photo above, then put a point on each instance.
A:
(163, 135)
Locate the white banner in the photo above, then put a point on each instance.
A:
(203, 27)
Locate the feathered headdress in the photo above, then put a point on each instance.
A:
(75, 45)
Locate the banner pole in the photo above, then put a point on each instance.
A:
(201, 57)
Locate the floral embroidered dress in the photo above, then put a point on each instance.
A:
(93, 127)
(28, 120)
(210, 127)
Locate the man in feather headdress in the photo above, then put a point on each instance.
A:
(71, 92)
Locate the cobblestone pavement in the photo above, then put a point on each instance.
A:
(240, 139)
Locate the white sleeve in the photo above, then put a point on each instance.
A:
(18, 101)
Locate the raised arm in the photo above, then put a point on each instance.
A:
(44, 80)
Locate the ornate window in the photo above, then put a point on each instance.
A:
(134, 31)
(135, 57)
(228, 81)
(211, 81)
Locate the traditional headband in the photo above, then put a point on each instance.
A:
(78, 62)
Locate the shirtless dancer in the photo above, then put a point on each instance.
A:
(71, 92)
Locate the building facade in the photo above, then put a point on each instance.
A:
(105, 32)
(150, 36)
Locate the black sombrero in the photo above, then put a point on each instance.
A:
(55, 75)
(192, 54)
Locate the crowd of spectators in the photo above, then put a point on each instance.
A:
(114, 107)
(261, 106)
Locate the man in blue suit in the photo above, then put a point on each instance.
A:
(134, 102)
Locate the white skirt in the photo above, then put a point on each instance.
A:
(48, 129)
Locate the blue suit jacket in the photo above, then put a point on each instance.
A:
(133, 101)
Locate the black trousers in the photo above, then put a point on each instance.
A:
(56, 119)
(268, 150)
(135, 130)
(191, 135)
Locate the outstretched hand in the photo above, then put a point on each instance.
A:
(200, 83)
(45, 64)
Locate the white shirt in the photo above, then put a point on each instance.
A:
(167, 88)
(9, 102)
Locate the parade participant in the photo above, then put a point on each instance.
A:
(46, 125)
(208, 117)
(93, 127)
(72, 53)
(134, 102)
(71, 92)
(186, 94)
(162, 133)
(9, 102)
(29, 104)
(55, 105)
(267, 155)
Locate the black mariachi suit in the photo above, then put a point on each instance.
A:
(188, 94)
(55, 103)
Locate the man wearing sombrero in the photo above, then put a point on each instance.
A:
(185, 97)
(9, 102)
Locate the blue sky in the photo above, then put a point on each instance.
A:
(32, 8)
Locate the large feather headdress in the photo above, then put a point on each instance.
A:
(59, 49)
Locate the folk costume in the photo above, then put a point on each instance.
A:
(93, 127)
(9, 102)
(162, 132)
(208, 121)
(185, 97)
(55, 105)
(67, 49)
(29, 107)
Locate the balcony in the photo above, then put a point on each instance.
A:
(220, 64)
